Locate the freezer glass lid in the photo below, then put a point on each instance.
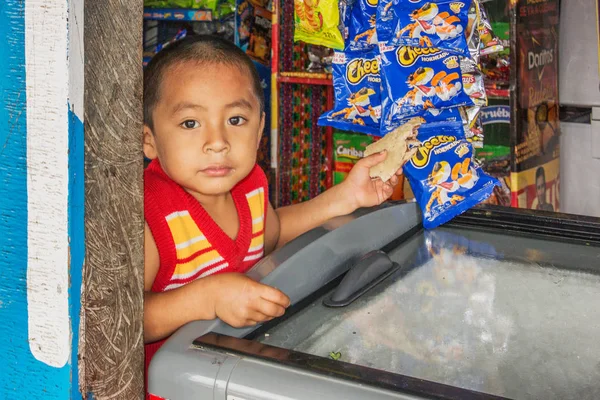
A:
(508, 315)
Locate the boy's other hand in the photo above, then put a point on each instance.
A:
(363, 191)
(241, 301)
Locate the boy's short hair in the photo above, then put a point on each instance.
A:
(208, 49)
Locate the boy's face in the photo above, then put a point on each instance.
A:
(207, 127)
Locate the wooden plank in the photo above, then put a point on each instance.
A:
(112, 336)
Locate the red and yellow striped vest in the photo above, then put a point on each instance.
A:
(190, 244)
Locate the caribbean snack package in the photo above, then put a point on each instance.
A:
(427, 24)
(356, 84)
(417, 80)
(318, 22)
(348, 148)
(443, 174)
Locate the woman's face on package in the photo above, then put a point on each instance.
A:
(207, 127)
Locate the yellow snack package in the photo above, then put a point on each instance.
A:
(318, 22)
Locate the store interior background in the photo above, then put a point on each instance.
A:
(299, 155)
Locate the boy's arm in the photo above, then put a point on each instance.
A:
(190, 301)
(358, 190)
(234, 298)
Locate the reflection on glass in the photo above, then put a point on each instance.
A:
(476, 310)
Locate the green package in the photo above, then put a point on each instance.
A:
(348, 148)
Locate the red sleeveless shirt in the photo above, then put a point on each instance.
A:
(190, 243)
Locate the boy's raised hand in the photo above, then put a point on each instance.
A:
(241, 301)
(364, 191)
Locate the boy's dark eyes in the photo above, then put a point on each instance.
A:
(237, 121)
(190, 124)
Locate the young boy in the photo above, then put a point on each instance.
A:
(208, 218)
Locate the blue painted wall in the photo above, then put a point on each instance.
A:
(21, 375)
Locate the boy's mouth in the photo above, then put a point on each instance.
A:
(217, 170)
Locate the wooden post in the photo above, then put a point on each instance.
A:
(112, 335)
(70, 331)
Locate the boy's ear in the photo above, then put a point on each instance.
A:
(261, 129)
(149, 143)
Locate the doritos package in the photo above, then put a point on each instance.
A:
(360, 24)
(356, 83)
(415, 80)
(424, 23)
(318, 22)
(443, 174)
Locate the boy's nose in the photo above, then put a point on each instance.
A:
(217, 143)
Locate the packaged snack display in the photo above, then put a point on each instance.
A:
(356, 83)
(489, 41)
(320, 58)
(422, 23)
(348, 148)
(443, 174)
(473, 82)
(259, 45)
(361, 25)
(415, 80)
(318, 22)
(472, 125)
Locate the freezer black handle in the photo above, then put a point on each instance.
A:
(365, 274)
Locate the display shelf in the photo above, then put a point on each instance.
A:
(497, 93)
(177, 14)
(306, 78)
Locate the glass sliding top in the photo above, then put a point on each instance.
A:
(502, 314)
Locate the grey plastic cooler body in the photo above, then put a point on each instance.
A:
(498, 303)
(180, 371)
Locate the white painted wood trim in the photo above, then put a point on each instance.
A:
(47, 74)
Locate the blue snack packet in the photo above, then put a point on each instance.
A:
(361, 21)
(443, 174)
(357, 88)
(432, 24)
(429, 116)
(418, 80)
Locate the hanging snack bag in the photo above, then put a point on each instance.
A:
(472, 31)
(318, 22)
(356, 83)
(415, 80)
(443, 174)
(473, 82)
(490, 43)
(429, 116)
(362, 33)
(472, 125)
(422, 23)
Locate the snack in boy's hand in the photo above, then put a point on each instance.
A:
(361, 22)
(428, 24)
(443, 174)
(356, 83)
(400, 147)
(318, 22)
(416, 80)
